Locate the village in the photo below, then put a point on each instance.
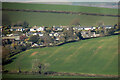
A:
(49, 36)
(18, 38)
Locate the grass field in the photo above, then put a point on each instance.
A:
(92, 56)
(59, 8)
(50, 19)
(40, 76)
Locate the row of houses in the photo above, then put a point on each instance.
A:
(59, 28)
(56, 31)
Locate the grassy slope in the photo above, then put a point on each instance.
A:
(46, 19)
(60, 8)
(97, 56)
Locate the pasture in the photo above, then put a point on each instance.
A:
(50, 19)
(73, 8)
(92, 56)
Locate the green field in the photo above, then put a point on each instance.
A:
(40, 76)
(92, 56)
(72, 8)
(50, 19)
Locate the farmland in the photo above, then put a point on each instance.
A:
(92, 56)
(33, 6)
(50, 19)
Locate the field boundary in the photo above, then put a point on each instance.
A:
(64, 74)
(65, 12)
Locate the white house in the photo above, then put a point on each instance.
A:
(57, 28)
(87, 28)
(108, 27)
(34, 33)
(40, 34)
(78, 28)
(40, 29)
(93, 28)
(17, 29)
(34, 29)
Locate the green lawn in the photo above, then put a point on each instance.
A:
(59, 8)
(50, 19)
(92, 56)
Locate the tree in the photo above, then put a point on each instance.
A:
(34, 38)
(39, 67)
(47, 39)
(25, 24)
(23, 37)
(78, 33)
(68, 34)
(117, 27)
(5, 54)
(6, 30)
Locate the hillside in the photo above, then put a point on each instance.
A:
(50, 19)
(92, 56)
(59, 8)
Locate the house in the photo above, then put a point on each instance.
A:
(93, 28)
(13, 37)
(29, 34)
(87, 28)
(78, 28)
(34, 33)
(51, 34)
(66, 27)
(38, 33)
(34, 29)
(88, 34)
(39, 29)
(17, 29)
(9, 35)
(56, 34)
(57, 28)
(17, 36)
(107, 27)
(35, 45)
(57, 38)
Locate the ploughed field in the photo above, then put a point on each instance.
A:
(91, 56)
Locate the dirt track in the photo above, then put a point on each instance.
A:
(65, 12)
